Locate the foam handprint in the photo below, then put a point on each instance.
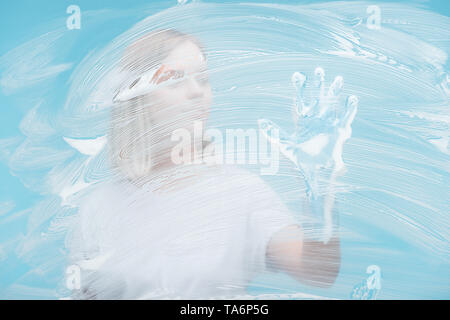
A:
(322, 127)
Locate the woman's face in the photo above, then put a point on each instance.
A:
(183, 94)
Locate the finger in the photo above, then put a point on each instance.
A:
(336, 87)
(320, 79)
(351, 109)
(298, 81)
(332, 97)
(319, 74)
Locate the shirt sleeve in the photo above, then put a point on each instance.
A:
(267, 214)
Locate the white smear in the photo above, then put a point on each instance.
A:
(442, 144)
(428, 116)
(72, 189)
(90, 147)
(32, 62)
(6, 207)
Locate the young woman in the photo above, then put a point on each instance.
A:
(164, 230)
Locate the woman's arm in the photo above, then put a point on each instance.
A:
(317, 144)
(311, 262)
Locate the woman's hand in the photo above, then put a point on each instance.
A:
(316, 146)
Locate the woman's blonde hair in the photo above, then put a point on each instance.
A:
(130, 135)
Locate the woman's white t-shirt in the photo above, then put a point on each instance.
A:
(204, 241)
